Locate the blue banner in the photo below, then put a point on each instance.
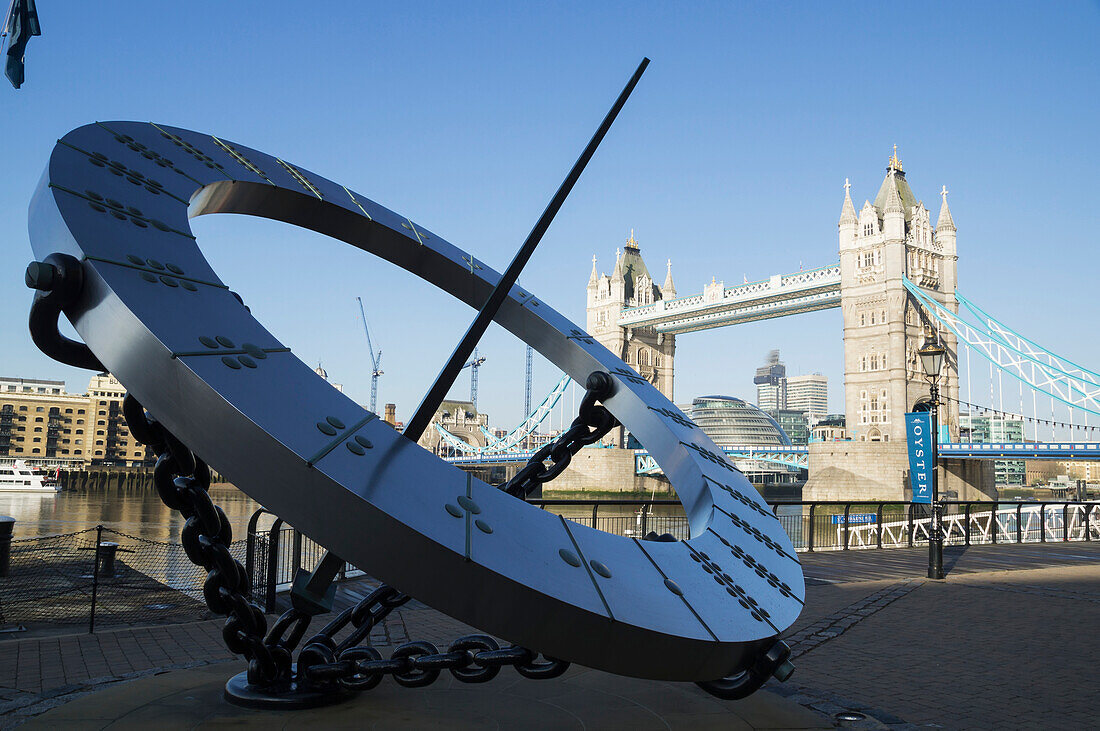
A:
(918, 433)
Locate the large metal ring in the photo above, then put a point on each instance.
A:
(117, 196)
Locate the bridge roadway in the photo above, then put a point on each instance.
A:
(798, 455)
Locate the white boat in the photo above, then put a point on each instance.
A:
(19, 477)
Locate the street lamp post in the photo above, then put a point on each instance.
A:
(931, 358)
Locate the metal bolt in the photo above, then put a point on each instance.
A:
(850, 719)
(783, 671)
(41, 276)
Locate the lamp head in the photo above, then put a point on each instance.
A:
(931, 358)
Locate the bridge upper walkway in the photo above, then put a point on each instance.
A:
(718, 306)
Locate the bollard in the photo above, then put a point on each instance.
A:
(7, 526)
(107, 551)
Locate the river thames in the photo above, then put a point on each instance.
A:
(140, 513)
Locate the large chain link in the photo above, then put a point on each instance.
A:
(593, 422)
(470, 659)
(183, 481)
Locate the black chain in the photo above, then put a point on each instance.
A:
(593, 422)
(471, 659)
(183, 481)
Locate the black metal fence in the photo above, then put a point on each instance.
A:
(839, 525)
(102, 577)
(277, 551)
(99, 577)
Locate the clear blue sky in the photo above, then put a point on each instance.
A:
(729, 158)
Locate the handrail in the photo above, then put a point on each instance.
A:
(819, 525)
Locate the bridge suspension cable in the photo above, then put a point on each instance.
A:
(1034, 366)
(514, 440)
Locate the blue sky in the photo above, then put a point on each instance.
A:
(729, 158)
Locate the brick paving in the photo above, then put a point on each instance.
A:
(987, 648)
(997, 649)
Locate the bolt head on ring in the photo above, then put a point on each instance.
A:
(41, 276)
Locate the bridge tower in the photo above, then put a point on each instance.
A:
(883, 325)
(630, 285)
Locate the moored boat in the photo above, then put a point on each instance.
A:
(18, 477)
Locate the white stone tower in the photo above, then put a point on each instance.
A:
(630, 285)
(883, 325)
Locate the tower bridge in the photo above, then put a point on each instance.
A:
(886, 246)
(895, 285)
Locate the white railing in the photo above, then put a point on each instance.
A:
(1030, 523)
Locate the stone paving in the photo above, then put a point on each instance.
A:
(984, 649)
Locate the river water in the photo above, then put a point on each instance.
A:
(140, 513)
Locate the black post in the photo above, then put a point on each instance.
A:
(810, 547)
(250, 548)
(966, 517)
(1042, 523)
(847, 512)
(911, 524)
(935, 535)
(878, 530)
(1088, 509)
(1019, 524)
(1065, 522)
(7, 527)
(272, 565)
(95, 577)
(108, 550)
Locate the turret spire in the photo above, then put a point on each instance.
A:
(594, 279)
(617, 273)
(944, 222)
(848, 212)
(668, 291)
(893, 200)
(893, 214)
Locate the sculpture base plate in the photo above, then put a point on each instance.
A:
(193, 698)
(283, 697)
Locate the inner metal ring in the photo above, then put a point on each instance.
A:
(118, 196)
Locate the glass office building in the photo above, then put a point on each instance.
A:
(732, 422)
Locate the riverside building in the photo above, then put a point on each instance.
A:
(45, 426)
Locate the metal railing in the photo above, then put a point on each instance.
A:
(100, 576)
(275, 553)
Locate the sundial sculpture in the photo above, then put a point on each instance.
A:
(109, 226)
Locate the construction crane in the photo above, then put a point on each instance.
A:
(376, 361)
(527, 383)
(527, 390)
(473, 365)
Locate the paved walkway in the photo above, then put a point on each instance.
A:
(1002, 643)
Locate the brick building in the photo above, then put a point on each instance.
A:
(46, 426)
